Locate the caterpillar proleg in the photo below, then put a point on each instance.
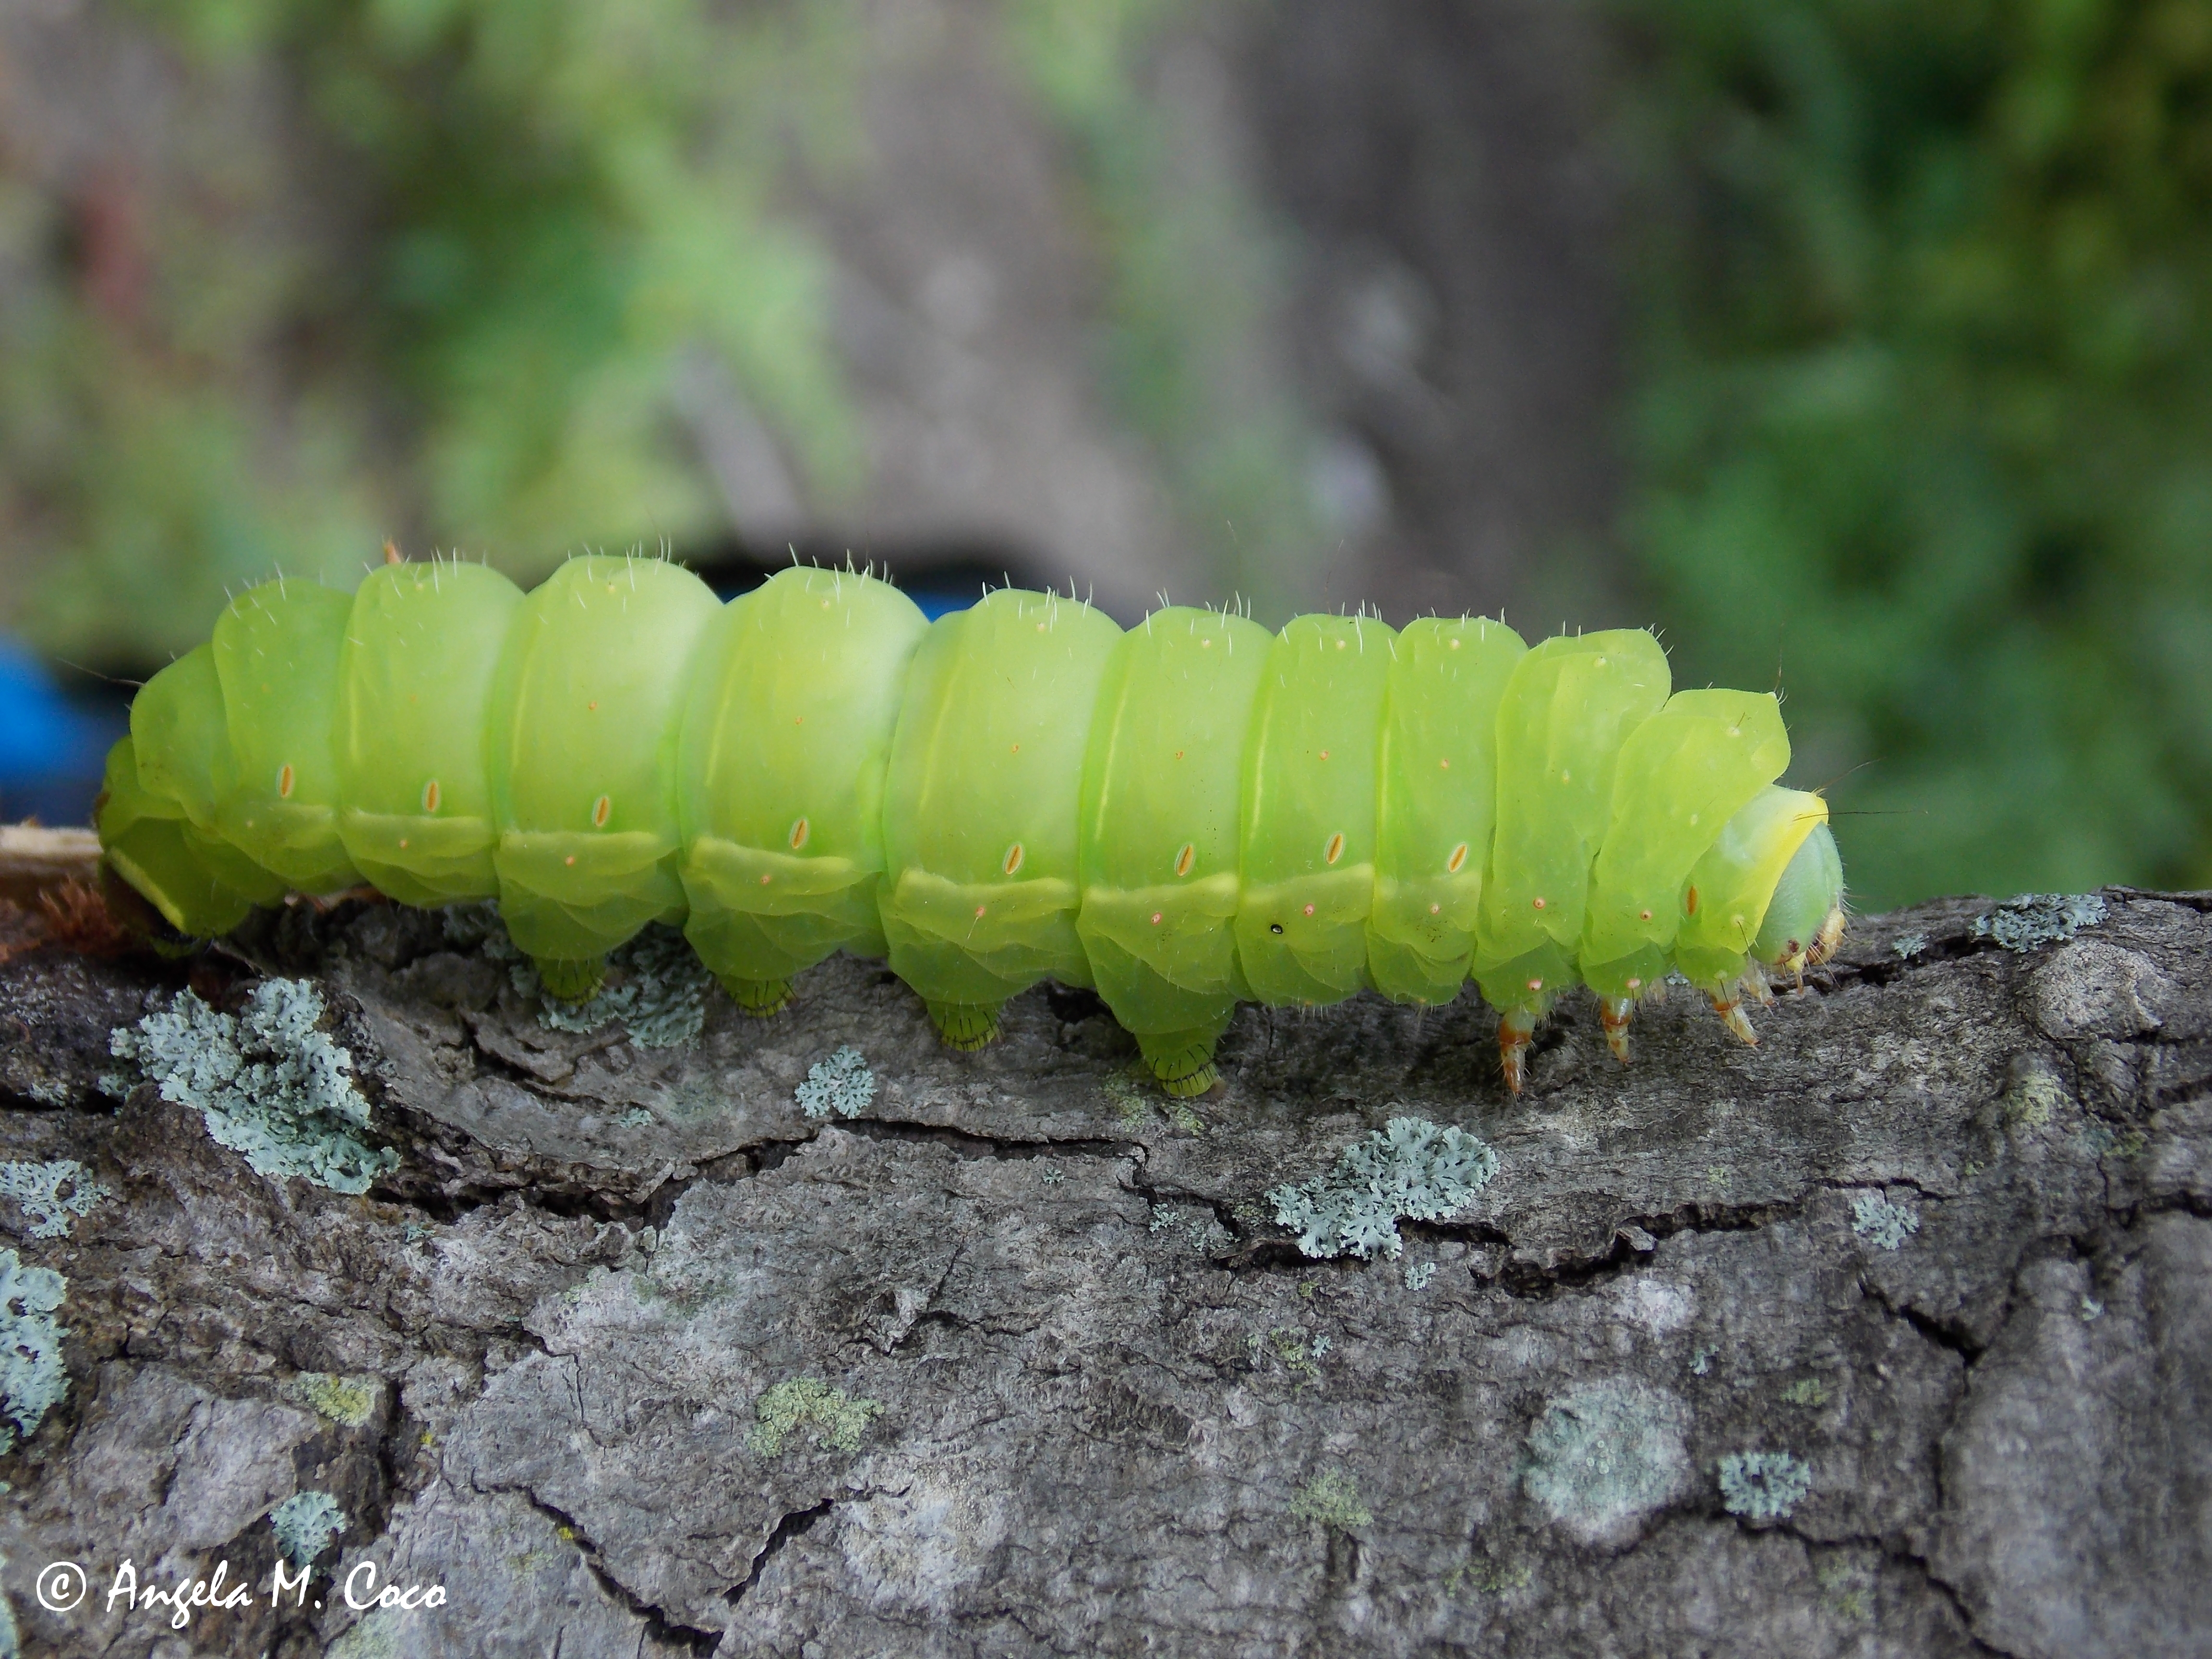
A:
(1188, 815)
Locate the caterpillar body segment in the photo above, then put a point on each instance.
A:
(1161, 854)
(779, 800)
(415, 676)
(1191, 814)
(1696, 763)
(1567, 709)
(169, 809)
(1437, 807)
(186, 738)
(982, 806)
(1311, 772)
(1681, 777)
(1733, 886)
(142, 838)
(177, 719)
(586, 719)
(275, 650)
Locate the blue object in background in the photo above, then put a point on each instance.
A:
(935, 602)
(938, 578)
(51, 751)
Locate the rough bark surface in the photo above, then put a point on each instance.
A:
(1109, 1384)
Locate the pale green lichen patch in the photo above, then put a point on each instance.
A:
(305, 1523)
(269, 1084)
(1846, 1589)
(37, 1188)
(1202, 1228)
(2034, 919)
(1488, 1578)
(1130, 1104)
(33, 1378)
(1136, 1095)
(349, 1402)
(656, 985)
(2033, 1097)
(834, 1421)
(1762, 1485)
(378, 1636)
(2101, 1140)
(842, 1084)
(694, 1098)
(1412, 1170)
(1604, 1454)
(1883, 1224)
(1180, 1115)
(1332, 1499)
(1299, 1353)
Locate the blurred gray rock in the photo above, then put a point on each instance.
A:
(1459, 322)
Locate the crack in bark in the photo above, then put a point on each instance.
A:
(749, 1159)
(1954, 1339)
(2200, 902)
(1898, 1555)
(792, 1524)
(1527, 1280)
(1949, 1334)
(657, 1623)
(967, 1144)
(942, 1316)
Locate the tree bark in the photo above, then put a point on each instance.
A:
(1120, 1412)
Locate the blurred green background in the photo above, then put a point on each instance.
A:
(1857, 345)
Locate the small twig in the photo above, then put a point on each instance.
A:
(35, 860)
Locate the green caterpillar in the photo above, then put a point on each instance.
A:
(1188, 815)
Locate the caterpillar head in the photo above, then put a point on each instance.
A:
(1805, 918)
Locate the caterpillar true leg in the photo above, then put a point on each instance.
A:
(1615, 1014)
(1516, 1027)
(1831, 933)
(1729, 1006)
(1757, 984)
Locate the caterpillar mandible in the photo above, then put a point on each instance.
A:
(1188, 815)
